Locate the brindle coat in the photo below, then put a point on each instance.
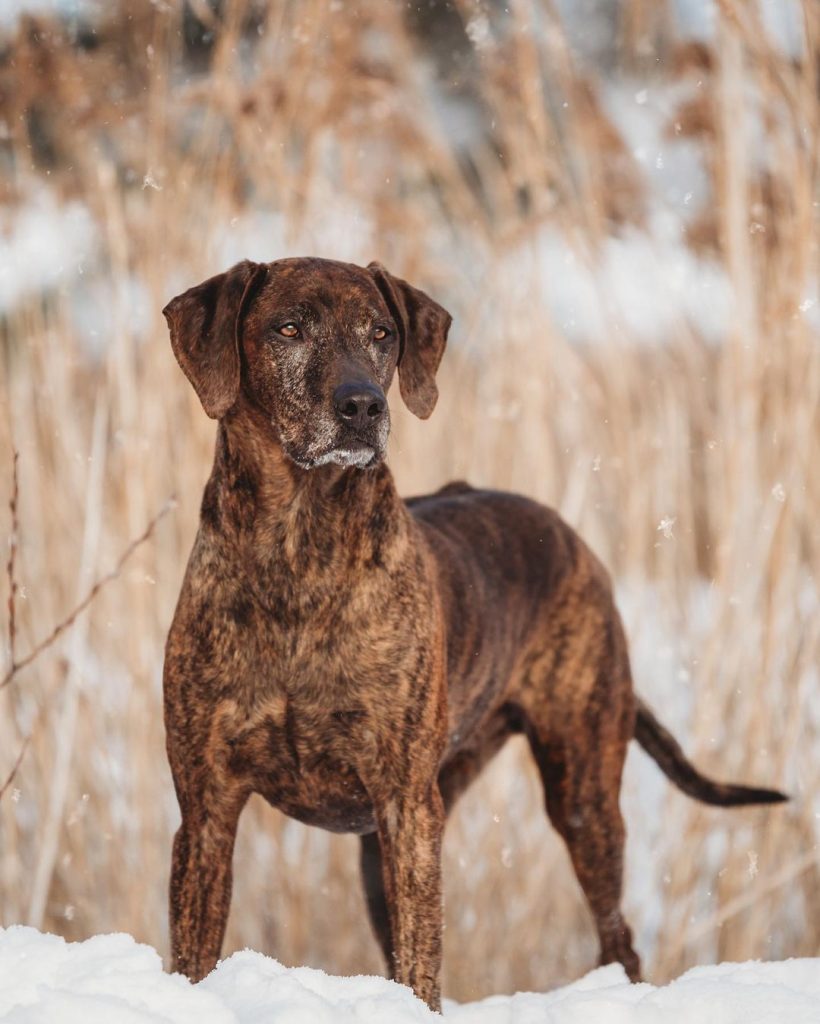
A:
(357, 659)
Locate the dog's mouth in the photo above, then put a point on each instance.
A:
(334, 444)
(350, 453)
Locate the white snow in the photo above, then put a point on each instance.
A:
(111, 979)
(12, 10)
(43, 244)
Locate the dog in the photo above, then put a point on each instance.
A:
(357, 659)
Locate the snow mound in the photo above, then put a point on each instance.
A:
(111, 979)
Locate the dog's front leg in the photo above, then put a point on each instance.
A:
(201, 881)
(410, 827)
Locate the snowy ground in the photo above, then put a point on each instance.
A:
(111, 979)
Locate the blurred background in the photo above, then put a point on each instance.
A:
(618, 202)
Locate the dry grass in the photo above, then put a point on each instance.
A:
(315, 126)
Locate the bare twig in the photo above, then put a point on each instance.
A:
(13, 772)
(747, 899)
(15, 492)
(61, 627)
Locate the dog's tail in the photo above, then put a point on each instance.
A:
(665, 750)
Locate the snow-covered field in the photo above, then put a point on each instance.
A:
(111, 979)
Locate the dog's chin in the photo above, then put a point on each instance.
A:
(361, 456)
(355, 454)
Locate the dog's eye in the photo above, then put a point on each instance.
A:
(288, 330)
(381, 333)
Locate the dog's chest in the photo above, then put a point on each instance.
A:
(311, 679)
(336, 642)
(315, 703)
(305, 759)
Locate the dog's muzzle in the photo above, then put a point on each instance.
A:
(361, 411)
(359, 405)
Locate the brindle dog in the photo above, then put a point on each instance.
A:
(357, 659)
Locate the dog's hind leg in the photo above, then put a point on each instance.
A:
(583, 807)
(578, 732)
(373, 882)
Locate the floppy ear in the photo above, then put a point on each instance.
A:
(204, 325)
(423, 326)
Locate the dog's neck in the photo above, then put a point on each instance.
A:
(253, 468)
(262, 498)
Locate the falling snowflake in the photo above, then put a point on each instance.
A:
(752, 863)
(779, 492)
(149, 181)
(665, 527)
(478, 31)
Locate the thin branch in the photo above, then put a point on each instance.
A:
(15, 529)
(17, 763)
(747, 899)
(61, 627)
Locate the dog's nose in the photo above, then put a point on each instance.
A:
(359, 404)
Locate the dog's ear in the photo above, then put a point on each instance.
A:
(423, 326)
(204, 323)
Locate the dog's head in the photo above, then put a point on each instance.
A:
(314, 344)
